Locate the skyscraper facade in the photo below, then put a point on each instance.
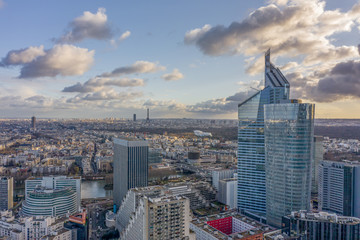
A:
(6, 193)
(318, 157)
(251, 145)
(339, 187)
(289, 134)
(130, 166)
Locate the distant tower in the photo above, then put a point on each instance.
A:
(148, 115)
(33, 123)
(134, 117)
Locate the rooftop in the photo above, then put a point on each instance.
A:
(252, 227)
(325, 217)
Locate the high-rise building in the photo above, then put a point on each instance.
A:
(339, 187)
(130, 166)
(218, 175)
(33, 123)
(318, 157)
(134, 117)
(251, 146)
(56, 183)
(227, 192)
(50, 202)
(6, 193)
(307, 226)
(289, 134)
(147, 115)
(151, 213)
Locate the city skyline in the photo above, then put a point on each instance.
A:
(194, 60)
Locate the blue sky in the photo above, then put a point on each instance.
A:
(95, 59)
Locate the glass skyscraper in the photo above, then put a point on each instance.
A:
(131, 158)
(289, 134)
(251, 145)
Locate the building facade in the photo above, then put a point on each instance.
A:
(149, 213)
(56, 183)
(318, 157)
(130, 166)
(308, 226)
(251, 144)
(6, 193)
(50, 202)
(339, 187)
(218, 175)
(227, 192)
(289, 133)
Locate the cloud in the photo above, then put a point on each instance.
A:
(98, 83)
(164, 105)
(22, 56)
(342, 82)
(289, 65)
(220, 105)
(298, 28)
(88, 25)
(106, 94)
(173, 76)
(124, 36)
(64, 60)
(337, 83)
(194, 35)
(137, 67)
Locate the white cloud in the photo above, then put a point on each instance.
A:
(173, 76)
(99, 83)
(105, 95)
(64, 60)
(22, 56)
(302, 27)
(194, 35)
(124, 36)
(137, 67)
(89, 25)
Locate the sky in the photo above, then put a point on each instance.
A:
(193, 59)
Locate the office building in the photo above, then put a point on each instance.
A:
(251, 144)
(33, 123)
(304, 225)
(227, 192)
(130, 166)
(6, 193)
(289, 134)
(134, 117)
(317, 158)
(147, 115)
(50, 202)
(56, 183)
(218, 175)
(339, 187)
(151, 213)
